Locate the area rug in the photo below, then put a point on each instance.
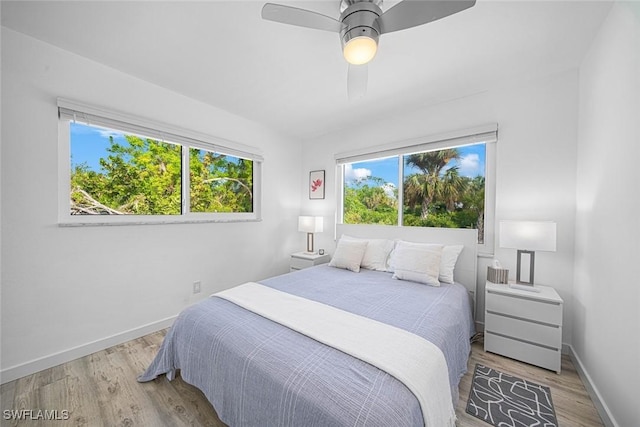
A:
(503, 400)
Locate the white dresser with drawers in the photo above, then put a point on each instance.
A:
(524, 325)
(302, 260)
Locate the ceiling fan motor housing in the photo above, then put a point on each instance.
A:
(360, 19)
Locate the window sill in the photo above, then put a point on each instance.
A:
(147, 222)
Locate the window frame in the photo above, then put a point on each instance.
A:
(487, 134)
(69, 111)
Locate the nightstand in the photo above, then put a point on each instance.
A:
(301, 260)
(524, 325)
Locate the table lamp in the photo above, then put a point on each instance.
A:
(527, 237)
(310, 225)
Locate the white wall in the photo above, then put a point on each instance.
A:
(606, 293)
(84, 287)
(535, 164)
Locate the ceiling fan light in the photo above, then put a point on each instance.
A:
(360, 50)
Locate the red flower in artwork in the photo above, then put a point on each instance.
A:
(315, 184)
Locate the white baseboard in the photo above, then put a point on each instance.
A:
(37, 365)
(598, 402)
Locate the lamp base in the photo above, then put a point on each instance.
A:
(528, 288)
(309, 243)
(532, 257)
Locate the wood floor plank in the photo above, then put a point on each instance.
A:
(82, 395)
(102, 390)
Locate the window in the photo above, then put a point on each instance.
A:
(445, 188)
(371, 192)
(220, 183)
(436, 183)
(122, 172)
(113, 173)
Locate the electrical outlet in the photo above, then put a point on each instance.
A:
(196, 287)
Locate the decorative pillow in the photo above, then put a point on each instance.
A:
(376, 256)
(348, 255)
(448, 262)
(417, 262)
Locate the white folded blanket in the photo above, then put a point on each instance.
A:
(411, 359)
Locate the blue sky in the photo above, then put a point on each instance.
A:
(470, 164)
(90, 143)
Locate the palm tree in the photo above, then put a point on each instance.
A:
(474, 202)
(428, 185)
(453, 188)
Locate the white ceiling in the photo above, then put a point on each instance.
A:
(293, 79)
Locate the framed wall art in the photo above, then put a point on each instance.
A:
(316, 184)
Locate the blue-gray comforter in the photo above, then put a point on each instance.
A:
(258, 373)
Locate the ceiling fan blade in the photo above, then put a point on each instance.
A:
(411, 13)
(357, 78)
(300, 17)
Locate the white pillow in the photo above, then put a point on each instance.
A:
(448, 262)
(376, 256)
(348, 255)
(417, 262)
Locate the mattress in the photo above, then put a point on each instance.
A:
(256, 372)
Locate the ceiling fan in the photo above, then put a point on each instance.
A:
(360, 25)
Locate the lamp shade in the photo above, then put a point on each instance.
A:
(310, 224)
(528, 235)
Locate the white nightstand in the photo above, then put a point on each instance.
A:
(524, 325)
(301, 260)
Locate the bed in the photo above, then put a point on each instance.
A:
(258, 372)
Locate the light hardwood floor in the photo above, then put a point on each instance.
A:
(101, 390)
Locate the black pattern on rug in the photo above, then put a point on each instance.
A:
(503, 400)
